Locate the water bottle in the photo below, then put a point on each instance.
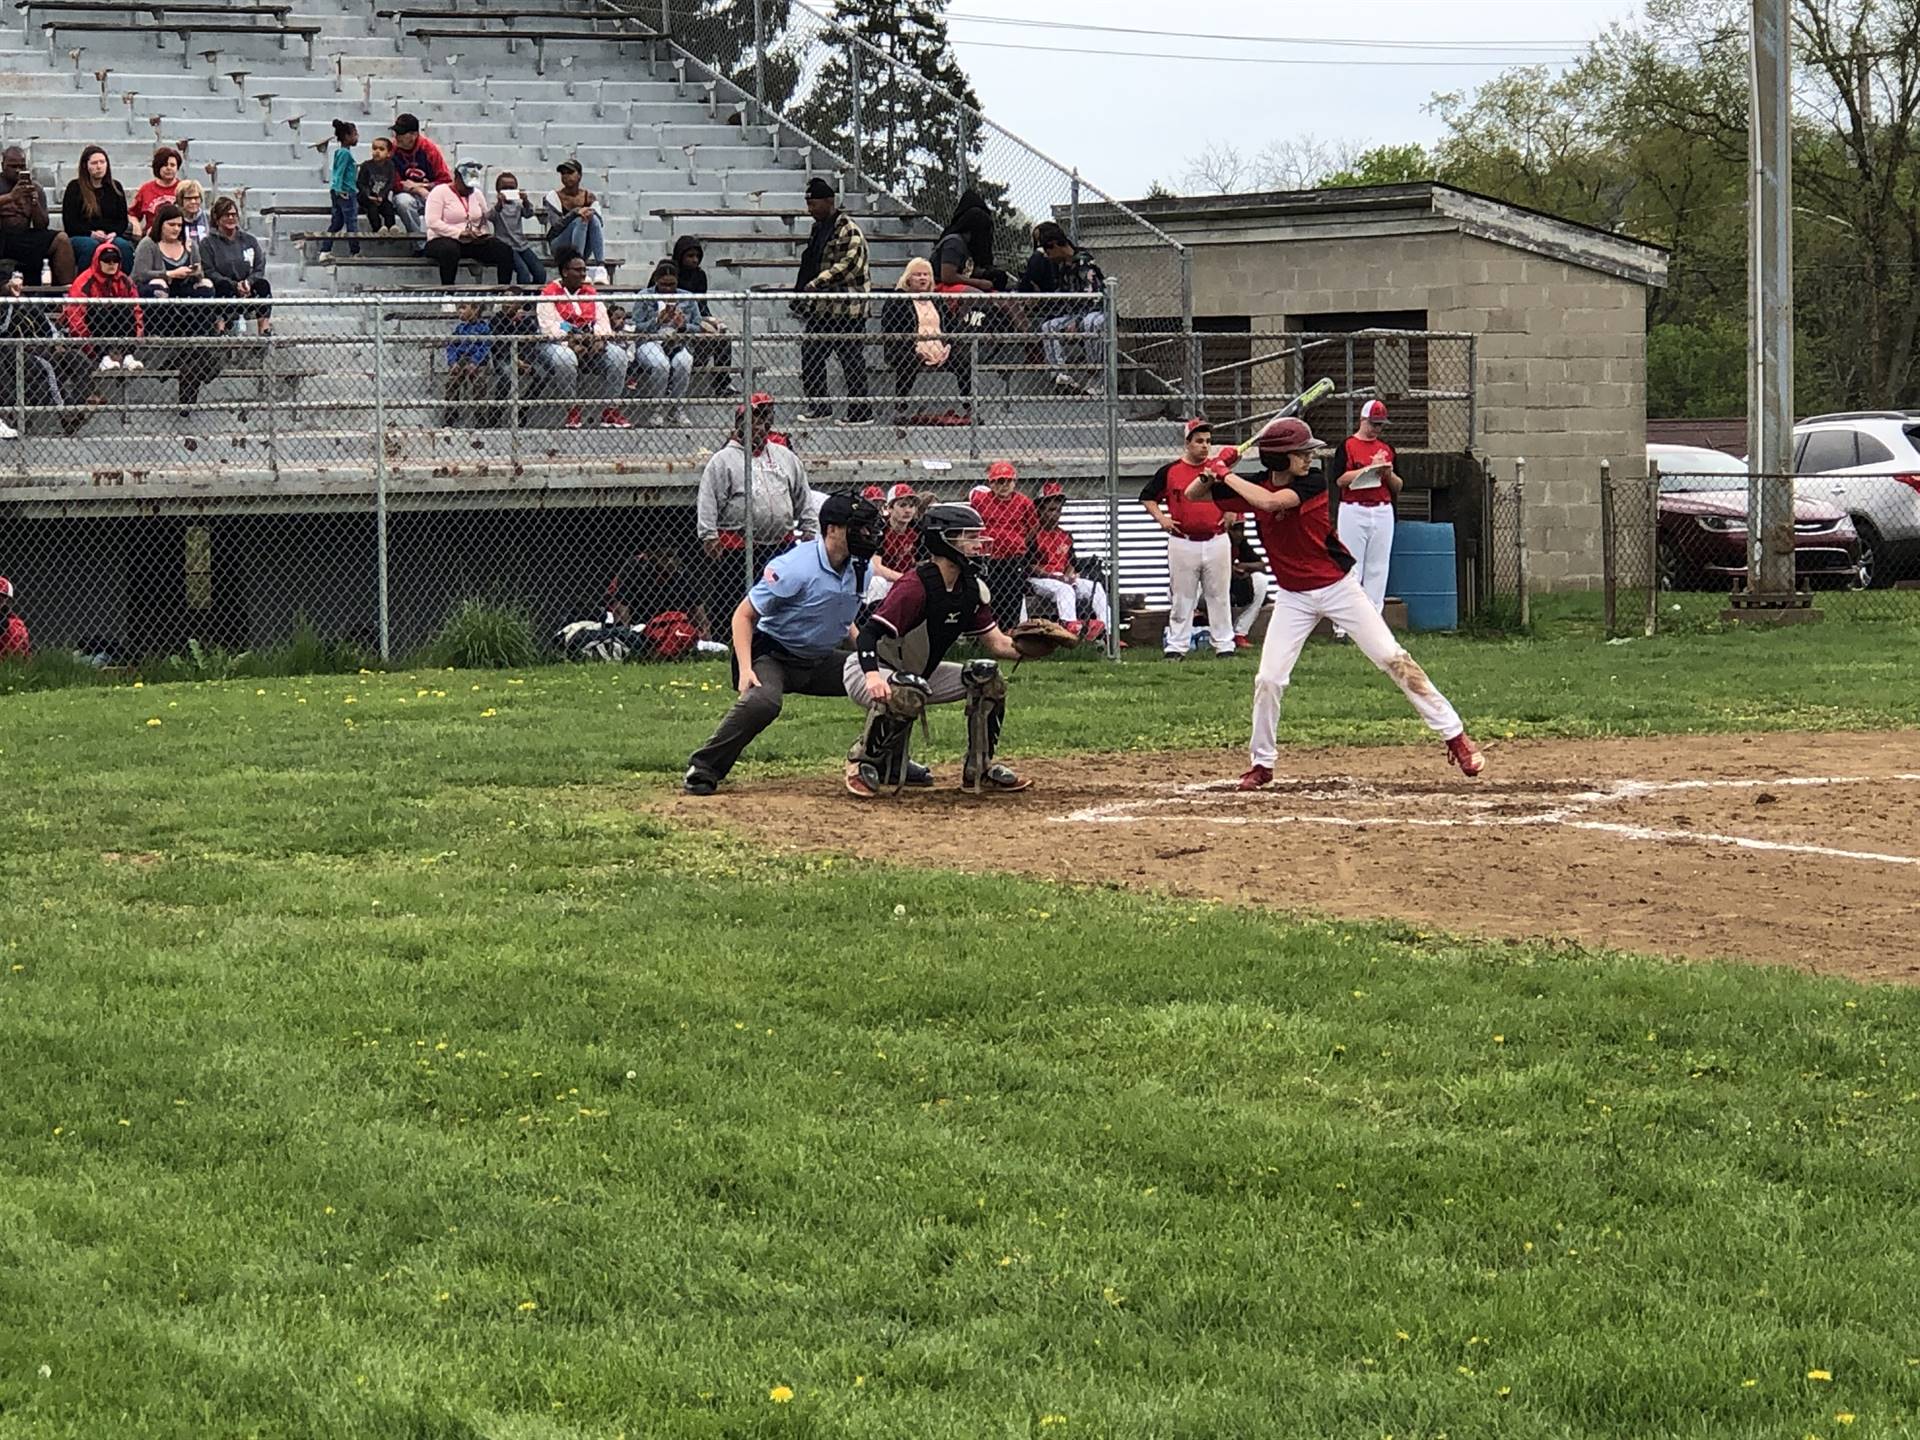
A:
(46, 272)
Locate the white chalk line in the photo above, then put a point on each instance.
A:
(1569, 812)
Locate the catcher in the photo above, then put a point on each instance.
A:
(899, 664)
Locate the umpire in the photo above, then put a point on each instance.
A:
(787, 632)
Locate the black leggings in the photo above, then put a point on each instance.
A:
(447, 253)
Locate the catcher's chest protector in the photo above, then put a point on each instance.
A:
(945, 616)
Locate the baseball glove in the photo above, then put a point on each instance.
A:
(1037, 639)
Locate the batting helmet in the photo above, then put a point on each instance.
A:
(1289, 435)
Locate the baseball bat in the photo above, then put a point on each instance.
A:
(1306, 399)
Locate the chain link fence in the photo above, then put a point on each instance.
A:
(1629, 541)
(1508, 600)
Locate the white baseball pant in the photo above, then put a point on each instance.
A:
(1196, 568)
(1244, 617)
(877, 587)
(1295, 613)
(1066, 595)
(1367, 532)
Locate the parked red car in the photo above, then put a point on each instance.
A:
(1703, 526)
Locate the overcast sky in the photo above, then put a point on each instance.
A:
(1127, 121)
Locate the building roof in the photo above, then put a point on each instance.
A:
(1420, 206)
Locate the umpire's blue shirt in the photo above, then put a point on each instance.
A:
(804, 604)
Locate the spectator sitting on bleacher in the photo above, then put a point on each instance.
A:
(577, 353)
(343, 192)
(418, 166)
(460, 227)
(168, 268)
(517, 338)
(835, 260)
(192, 201)
(93, 212)
(237, 263)
(572, 213)
(510, 210)
(968, 238)
(662, 358)
(163, 189)
(26, 235)
(469, 367)
(15, 644)
(115, 328)
(711, 349)
(375, 187)
(914, 344)
(54, 370)
(1059, 267)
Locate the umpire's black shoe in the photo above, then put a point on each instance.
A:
(697, 784)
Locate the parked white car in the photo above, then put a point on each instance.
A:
(1868, 463)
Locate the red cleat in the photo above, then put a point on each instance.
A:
(1258, 778)
(1464, 753)
(573, 418)
(1094, 631)
(613, 419)
(1073, 625)
(1241, 642)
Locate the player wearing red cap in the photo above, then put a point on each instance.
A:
(1363, 467)
(1199, 556)
(1010, 520)
(900, 546)
(1054, 573)
(14, 641)
(1313, 572)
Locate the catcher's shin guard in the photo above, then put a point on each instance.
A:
(986, 691)
(887, 741)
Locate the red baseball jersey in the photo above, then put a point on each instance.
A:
(1052, 552)
(1356, 454)
(1194, 519)
(1301, 545)
(1010, 524)
(899, 549)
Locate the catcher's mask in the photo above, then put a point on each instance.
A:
(943, 522)
(862, 520)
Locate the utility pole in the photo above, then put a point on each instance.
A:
(1770, 592)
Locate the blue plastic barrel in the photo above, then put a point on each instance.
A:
(1422, 573)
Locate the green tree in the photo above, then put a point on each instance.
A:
(1384, 165)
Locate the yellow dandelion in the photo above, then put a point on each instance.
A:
(1820, 1375)
(1401, 1335)
(780, 1394)
(527, 1307)
(1499, 1039)
(443, 1297)
(1047, 1421)
(1845, 1417)
(153, 722)
(1504, 1391)
(1748, 1383)
(488, 713)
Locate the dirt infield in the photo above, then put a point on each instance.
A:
(1799, 850)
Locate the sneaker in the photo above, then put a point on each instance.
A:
(1073, 627)
(107, 362)
(132, 364)
(613, 419)
(326, 257)
(816, 414)
(1095, 631)
(1257, 778)
(999, 780)
(1173, 654)
(919, 777)
(698, 784)
(1464, 753)
(682, 418)
(597, 274)
(573, 418)
(7, 432)
(1066, 382)
(863, 780)
(859, 415)
(1241, 642)
(1233, 654)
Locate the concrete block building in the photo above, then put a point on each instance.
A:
(1557, 311)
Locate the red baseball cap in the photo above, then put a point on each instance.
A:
(902, 491)
(1375, 411)
(1002, 470)
(1198, 422)
(6, 587)
(1053, 490)
(874, 493)
(761, 401)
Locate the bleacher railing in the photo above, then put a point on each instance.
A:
(372, 463)
(882, 125)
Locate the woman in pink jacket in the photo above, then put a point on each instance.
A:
(460, 227)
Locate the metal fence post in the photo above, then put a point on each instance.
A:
(1110, 305)
(859, 137)
(1073, 206)
(20, 405)
(513, 401)
(380, 475)
(760, 54)
(1473, 388)
(1609, 562)
(1346, 387)
(747, 441)
(972, 402)
(273, 425)
(1520, 541)
(1653, 549)
(960, 149)
(1196, 379)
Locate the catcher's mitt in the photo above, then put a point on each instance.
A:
(1037, 639)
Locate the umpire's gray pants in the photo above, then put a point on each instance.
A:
(780, 675)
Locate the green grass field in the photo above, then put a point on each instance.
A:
(374, 1066)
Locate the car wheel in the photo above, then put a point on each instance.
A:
(1675, 573)
(1874, 572)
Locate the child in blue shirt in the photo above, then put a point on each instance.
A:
(343, 182)
(469, 366)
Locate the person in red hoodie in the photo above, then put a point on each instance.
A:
(1010, 520)
(14, 644)
(114, 328)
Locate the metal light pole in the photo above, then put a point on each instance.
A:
(1770, 574)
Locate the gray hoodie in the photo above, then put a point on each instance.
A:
(508, 222)
(241, 258)
(782, 500)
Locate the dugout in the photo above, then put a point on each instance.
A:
(1556, 312)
